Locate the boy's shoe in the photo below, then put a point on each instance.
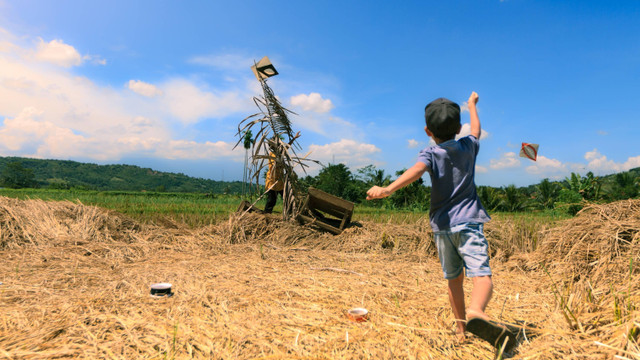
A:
(493, 333)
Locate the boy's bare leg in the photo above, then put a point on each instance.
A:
(456, 298)
(480, 296)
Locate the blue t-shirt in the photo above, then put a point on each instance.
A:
(454, 199)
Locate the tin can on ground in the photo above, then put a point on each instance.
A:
(161, 290)
(358, 314)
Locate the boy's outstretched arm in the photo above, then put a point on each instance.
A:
(475, 121)
(409, 176)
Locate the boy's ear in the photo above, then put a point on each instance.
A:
(429, 133)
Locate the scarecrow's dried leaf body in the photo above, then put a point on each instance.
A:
(275, 140)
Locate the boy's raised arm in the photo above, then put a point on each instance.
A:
(409, 176)
(475, 121)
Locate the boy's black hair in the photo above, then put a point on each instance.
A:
(443, 118)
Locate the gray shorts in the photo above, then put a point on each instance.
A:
(463, 247)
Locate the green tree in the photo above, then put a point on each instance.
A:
(625, 186)
(374, 177)
(59, 184)
(306, 182)
(569, 200)
(380, 179)
(546, 194)
(489, 197)
(512, 199)
(414, 196)
(588, 186)
(334, 179)
(16, 176)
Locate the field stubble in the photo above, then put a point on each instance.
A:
(75, 283)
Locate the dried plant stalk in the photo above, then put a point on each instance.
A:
(275, 141)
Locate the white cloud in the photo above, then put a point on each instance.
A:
(58, 53)
(190, 103)
(555, 169)
(143, 88)
(312, 102)
(596, 162)
(631, 163)
(600, 164)
(464, 107)
(29, 135)
(50, 113)
(349, 152)
(97, 60)
(141, 121)
(226, 61)
(549, 168)
(466, 130)
(602, 132)
(6, 41)
(593, 155)
(412, 143)
(506, 161)
(326, 125)
(481, 169)
(185, 149)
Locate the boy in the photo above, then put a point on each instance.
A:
(456, 214)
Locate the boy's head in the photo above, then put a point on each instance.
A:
(443, 118)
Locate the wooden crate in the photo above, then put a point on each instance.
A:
(327, 211)
(246, 206)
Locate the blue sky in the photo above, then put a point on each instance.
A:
(164, 84)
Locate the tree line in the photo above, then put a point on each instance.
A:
(16, 172)
(568, 194)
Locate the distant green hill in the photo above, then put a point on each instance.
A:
(72, 174)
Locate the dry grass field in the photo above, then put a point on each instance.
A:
(75, 284)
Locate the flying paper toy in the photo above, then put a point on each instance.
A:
(529, 151)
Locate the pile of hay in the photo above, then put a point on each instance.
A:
(594, 261)
(93, 231)
(37, 223)
(358, 237)
(75, 284)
